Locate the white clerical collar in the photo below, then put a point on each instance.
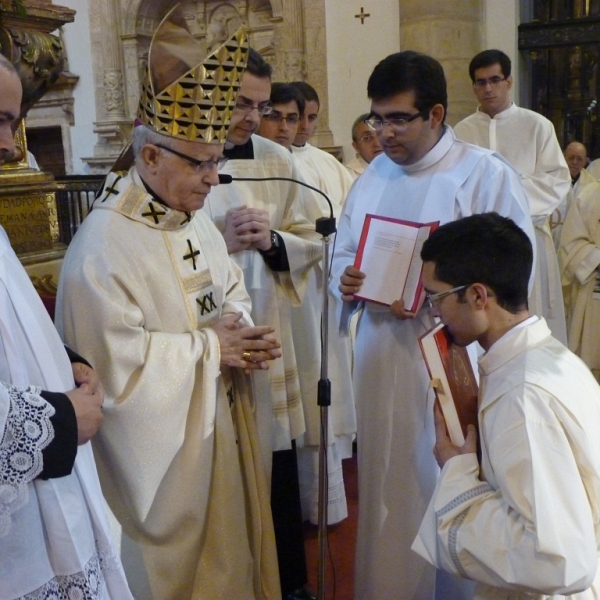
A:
(506, 113)
(435, 154)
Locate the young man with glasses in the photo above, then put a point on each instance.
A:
(323, 171)
(366, 144)
(522, 520)
(527, 140)
(269, 230)
(281, 124)
(426, 175)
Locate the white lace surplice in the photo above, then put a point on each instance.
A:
(54, 539)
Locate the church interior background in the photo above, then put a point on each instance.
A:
(82, 124)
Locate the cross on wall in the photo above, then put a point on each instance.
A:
(362, 15)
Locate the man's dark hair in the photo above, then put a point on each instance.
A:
(410, 71)
(488, 58)
(282, 93)
(307, 90)
(360, 119)
(485, 248)
(258, 66)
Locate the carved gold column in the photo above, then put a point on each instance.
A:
(27, 200)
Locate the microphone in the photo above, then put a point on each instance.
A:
(324, 225)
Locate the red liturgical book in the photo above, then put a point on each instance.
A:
(389, 254)
(453, 379)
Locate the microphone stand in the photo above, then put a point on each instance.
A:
(325, 226)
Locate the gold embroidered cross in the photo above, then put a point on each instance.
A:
(362, 16)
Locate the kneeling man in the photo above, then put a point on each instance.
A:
(524, 519)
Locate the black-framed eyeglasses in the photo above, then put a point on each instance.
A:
(433, 300)
(277, 117)
(493, 81)
(263, 109)
(395, 123)
(199, 165)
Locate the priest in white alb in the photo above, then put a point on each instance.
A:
(579, 259)
(424, 175)
(55, 540)
(528, 141)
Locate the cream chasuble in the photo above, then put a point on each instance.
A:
(280, 412)
(524, 523)
(323, 171)
(356, 166)
(557, 219)
(579, 258)
(397, 470)
(178, 455)
(54, 535)
(528, 142)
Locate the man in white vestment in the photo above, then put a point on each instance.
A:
(54, 535)
(579, 259)
(366, 144)
(576, 157)
(528, 141)
(288, 103)
(269, 230)
(424, 175)
(148, 291)
(524, 521)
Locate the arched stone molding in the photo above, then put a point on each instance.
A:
(290, 34)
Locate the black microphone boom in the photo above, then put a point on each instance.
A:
(324, 226)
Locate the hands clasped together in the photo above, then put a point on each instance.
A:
(87, 400)
(247, 228)
(244, 346)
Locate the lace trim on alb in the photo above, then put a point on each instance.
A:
(27, 432)
(85, 585)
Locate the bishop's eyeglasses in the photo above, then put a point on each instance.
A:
(199, 165)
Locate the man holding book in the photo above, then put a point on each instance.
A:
(425, 175)
(524, 520)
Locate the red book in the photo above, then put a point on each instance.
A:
(453, 379)
(389, 253)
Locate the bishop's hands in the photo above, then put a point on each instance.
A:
(244, 346)
(87, 400)
(247, 228)
(444, 449)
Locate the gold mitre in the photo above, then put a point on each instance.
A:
(184, 95)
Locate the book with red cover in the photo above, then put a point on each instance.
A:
(389, 253)
(453, 379)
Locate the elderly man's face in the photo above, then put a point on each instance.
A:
(366, 143)
(181, 182)
(10, 106)
(576, 157)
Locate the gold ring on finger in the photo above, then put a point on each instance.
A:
(246, 356)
